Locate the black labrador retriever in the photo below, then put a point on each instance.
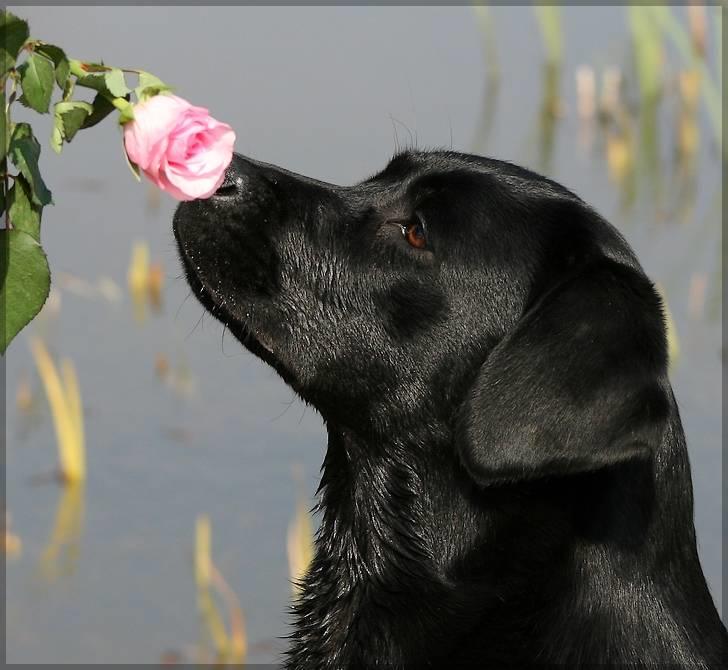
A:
(506, 482)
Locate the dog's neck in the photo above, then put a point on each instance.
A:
(373, 572)
(399, 571)
(371, 501)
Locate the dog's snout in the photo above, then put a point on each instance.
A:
(249, 177)
(230, 182)
(239, 173)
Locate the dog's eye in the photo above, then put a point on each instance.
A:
(413, 231)
(415, 235)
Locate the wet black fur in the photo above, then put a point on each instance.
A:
(506, 482)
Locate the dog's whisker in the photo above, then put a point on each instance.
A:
(395, 135)
(222, 340)
(406, 127)
(288, 406)
(225, 329)
(194, 328)
(414, 111)
(181, 305)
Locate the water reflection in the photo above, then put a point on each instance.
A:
(299, 540)
(13, 546)
(62, 549)
(620, 148)
(219, 646)
(687, 142)
(145, 281)
(64, 398)
(177, 377)
(489, 100)
(551, 111)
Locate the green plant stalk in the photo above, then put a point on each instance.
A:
(647, 45)
(77, 70)
(487, 27)
(719, 39)
(549, 20)
(4, 162)
(679, 37)
(213, 622)
(6, 144)
(24, 271)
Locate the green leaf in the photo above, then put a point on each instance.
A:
(24, 152)
(60, 61)
(68, 88)
(149, 86)
(94, 81)
(57, 134)
(116, 84)
(132, 166)
(150, 91)
(102, 107)
(36, 79)
(26, 281)
(23, 214)
(2, 199)
(13, 33)
(21, 131)
(72, 115)
(148, 79)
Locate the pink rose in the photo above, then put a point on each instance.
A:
(180, 148)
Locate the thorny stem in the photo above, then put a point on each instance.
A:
(78, 68)
(5, 140)
(4, 172)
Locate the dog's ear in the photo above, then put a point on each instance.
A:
(580, 382)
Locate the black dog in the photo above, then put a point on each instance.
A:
(506, 482)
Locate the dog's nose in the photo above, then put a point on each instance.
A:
(235, 173)
(229, 182)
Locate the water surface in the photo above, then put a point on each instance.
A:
(328, 93)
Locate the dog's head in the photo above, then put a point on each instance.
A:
(447, 294)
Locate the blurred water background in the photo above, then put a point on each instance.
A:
(179, 421)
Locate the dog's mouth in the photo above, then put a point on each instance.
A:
(251, 338)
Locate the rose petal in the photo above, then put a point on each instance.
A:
(179, 147)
